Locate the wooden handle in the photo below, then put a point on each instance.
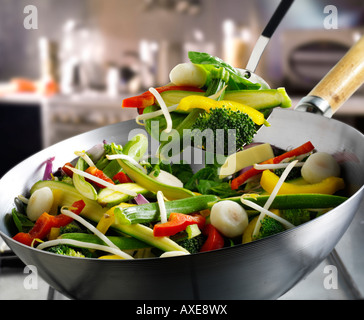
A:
(343, 79)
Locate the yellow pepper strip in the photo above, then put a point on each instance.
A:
(106, 221)
(205, 103)
(329, 185)
(111, 256)
(57, 198)
(54, 233)
(248, 232)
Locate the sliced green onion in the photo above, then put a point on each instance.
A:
(117, 187)
(162, 207)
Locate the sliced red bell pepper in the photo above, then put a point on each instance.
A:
(46, 222)
(122, 177)
(24, 238)
(68, 171)
(241, 179)
(62, 220)
(99, 174)
(177, 223)
(147, 99)
(214, 239)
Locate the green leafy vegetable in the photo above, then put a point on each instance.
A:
(21, 221)
(236, 80)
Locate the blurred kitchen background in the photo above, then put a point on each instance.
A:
(87, 55)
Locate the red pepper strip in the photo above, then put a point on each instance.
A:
(214, 239)
(62, 220)
(99, 174)
(238, 181)
(147, 99)
(122, 177)
(68, 171)
(177, 223)
(46, 222)
(24, 238)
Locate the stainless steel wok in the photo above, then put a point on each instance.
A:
(264, 269)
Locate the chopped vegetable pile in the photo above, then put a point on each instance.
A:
(118, 202)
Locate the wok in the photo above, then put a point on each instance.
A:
(263, 269)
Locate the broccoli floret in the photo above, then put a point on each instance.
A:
(66, 179)
(269, 227)
(65, 251)
(295, 173)
(193, 245)
(296, 216)
(218, 119)
(71, 228)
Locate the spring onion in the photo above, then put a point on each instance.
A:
(162, 207)
(104, 183)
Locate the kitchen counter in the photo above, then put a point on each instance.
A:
(63, 116)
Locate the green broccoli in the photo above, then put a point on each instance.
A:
(269, 227)
(236, 129)
(66, 251)
(193, 245)
(72, 227)
(295, 173)
(296, 216)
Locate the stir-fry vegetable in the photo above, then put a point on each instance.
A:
(247, 105)
(117, 203)
(165, 224)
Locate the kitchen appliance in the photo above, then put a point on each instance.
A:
(307, 55)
